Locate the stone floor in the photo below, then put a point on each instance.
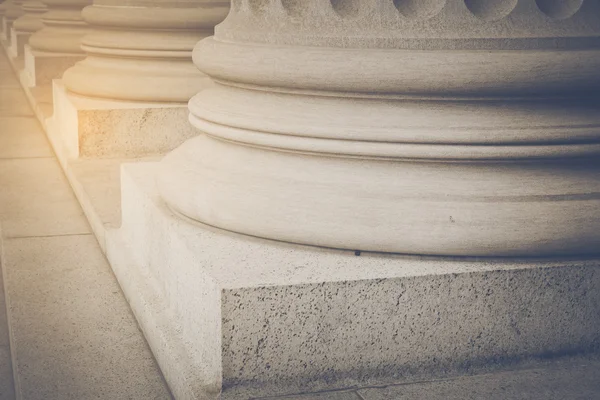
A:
(66, 322)
(72, 334)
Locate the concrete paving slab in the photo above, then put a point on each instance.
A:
(7, 390)
(13, 102)
(22, 137)
(573, 380)
(320, 396)
(73, 334)
(36, 200)
(7, 80)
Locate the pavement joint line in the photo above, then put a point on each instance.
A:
(359, 396)
(26, 158)
(48, 236)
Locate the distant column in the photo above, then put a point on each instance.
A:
(141, 50)
(63, 28)
(26, 25)
(442, 127)
(13, 10)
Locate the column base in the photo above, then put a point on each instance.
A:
(6, 29)
(253, 317)
(18, 40)
(84, 127)
(42, 67)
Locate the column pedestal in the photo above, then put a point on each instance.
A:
(57, 46)
(42, 67)
(25, 26)
(377, 192)
(252, 317)
(134, 84)
(13, 11)
(87, 128)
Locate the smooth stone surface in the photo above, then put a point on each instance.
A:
(74, 335)
(42, 67)
(18, 40)
(7, 390)
(29, 142)
(97, 185)
(98, 128)
(258, 317)
(36, 200)
(13, 102)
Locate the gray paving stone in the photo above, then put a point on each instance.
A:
(22, 137)
(346, 395)
(577, 380)
(7, 390)
(13, 102)
(6, 377)
(74, 335)
(36, 200)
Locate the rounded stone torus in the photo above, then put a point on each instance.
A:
(13, 10)
(31, 20)
(3, 5)
(64, 27)
(141, 50)
(440, 127)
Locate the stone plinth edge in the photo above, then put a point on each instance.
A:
(100, 128)
(259, 317)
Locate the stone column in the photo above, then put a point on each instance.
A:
(133, 86)
(57, 46)
(440, 127)
(63, 28)
(141, 49)
(26, 25)
(13, 10)
(2, 12)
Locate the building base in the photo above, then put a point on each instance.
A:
(84, 127)
(253, 317)
(18, 40)
(6, 30)
(42, 67)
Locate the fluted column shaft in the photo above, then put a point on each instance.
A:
(63, 29)
(444, 127)
(141, 49)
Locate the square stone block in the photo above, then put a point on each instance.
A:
(17, 43)
(42, 67)
(246, 317)
(83, 127)
(6, 28)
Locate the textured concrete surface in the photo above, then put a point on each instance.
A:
(72, 333)
(572, 379)
(99, 128)
(292, 318)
